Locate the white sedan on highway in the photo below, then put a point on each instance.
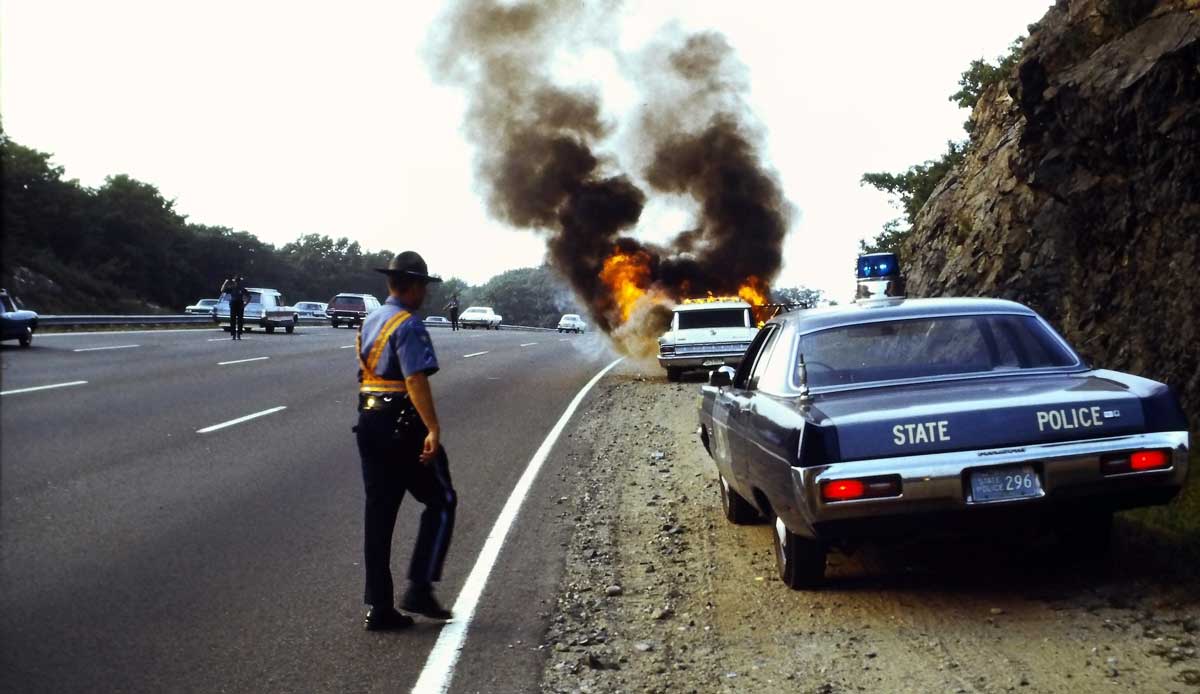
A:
(571, 323)
(480, 317)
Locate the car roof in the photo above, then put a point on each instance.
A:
(813, 319)
(361, 296)
(707, 305)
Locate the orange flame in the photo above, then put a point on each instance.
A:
(628, 276)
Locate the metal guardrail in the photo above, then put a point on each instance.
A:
(200, 319)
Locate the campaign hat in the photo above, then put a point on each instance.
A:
(409, 264)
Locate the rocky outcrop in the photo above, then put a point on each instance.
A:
(1080, 194)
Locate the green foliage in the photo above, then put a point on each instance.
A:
(801, 296)
(914, 186)
(122, 248)
(888, 240)
(981, 74)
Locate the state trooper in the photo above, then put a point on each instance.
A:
(399, 440)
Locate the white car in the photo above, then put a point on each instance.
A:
(437, 322)
(706, 334)
(311, 309)
(572, 323)
(480, 317)
(203, 307)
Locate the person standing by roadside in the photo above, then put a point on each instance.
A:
(452, 307)
(399, 441)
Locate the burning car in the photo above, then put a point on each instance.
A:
(706, 333)
(897, 417)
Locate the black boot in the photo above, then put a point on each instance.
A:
(386, 619)
(418, 599)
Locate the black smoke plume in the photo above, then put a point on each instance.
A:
(544, 166)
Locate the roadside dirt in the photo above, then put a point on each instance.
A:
(661, 594)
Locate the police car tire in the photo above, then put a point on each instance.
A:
(799, 560)
(26, 338)
(673, 375)
(290, 329)
(270, 328)
(737, 510)
(335, 322)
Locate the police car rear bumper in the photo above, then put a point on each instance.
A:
(937, 486)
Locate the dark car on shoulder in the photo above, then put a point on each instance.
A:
(903, 418)
(16, 323)
(350, 309)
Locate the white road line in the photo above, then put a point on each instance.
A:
(473, 354)
(219, 339)
(30, 390)
(439, 667)
(346, 347)
(240, 361)
(528, 344)
(44, 335)
(563, 339)
(97, 349)
(239, 420)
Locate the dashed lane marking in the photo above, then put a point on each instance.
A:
(30, 390)
(239, 420)
(439, 667)
(240, 361)
(474, 354)
(98, 349)
(346, 347)
(528, 344)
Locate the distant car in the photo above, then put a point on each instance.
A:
(437, 321)
(706, 334)
(480, 317)
(571, 323)
(16, 323)
(311, 309)
(350, 309)
(266, 309)
(203, 307)
(904, 418)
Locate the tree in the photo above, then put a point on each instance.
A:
(800, 296)
(981, 74)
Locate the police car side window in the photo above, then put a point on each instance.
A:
(779, 363)
(750, 358)
(764, 357)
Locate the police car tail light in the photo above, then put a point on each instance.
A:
(1149, 460)
(1135, 462)
(864, 488)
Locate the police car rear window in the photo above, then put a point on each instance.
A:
(929, 348)
(713, 318)
(351, 303)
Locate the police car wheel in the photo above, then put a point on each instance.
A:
(800, 561)
(334, 323)
(26, 338)
(673, 375)
(290, 329)
(737, 510)
(270, 328)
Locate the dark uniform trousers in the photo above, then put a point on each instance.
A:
(237, 317)
(454, 319)
(390, 467)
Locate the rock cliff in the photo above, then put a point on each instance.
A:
(1080, 194)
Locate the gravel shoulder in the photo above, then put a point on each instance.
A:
(661, 594)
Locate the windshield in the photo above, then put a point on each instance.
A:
(570, 316)
(208, 302)
(929, 348)
(475, 310)
(713, 318)
(8, 304)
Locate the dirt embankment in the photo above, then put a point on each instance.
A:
(661, 594)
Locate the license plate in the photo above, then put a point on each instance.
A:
(713, 362)
(1005, 483)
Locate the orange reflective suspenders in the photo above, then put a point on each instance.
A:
(372, 383)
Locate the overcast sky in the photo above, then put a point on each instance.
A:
(289, 118)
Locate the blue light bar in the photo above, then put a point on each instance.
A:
(878, 265)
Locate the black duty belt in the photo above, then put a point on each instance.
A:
(383, 402)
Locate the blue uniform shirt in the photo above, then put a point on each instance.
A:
(409, 350)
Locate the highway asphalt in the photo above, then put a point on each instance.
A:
(138, 554)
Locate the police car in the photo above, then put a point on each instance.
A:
(895, 417)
